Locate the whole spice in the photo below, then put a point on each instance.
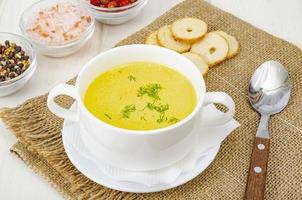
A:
(13, 61)
(111, 3)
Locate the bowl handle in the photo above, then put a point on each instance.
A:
(62, 89)
(220, 98)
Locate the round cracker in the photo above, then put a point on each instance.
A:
(189, 29)
(198, 61)
(213, 48)
(166, 39)
(152, 38)
(232, 43)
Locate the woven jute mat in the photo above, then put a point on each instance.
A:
(40, 145)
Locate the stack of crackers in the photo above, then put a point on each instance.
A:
(189, 37)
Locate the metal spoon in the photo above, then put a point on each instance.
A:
(269, 92)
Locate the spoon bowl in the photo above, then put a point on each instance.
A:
(270, 88)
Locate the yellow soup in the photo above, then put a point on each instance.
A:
(140, 96)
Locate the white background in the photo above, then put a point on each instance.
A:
(278, 17)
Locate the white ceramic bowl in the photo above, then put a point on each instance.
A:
(115, 15)
(13, 85)
(54, 49)
(132, 149)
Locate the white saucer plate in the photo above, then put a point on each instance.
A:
(89, 168)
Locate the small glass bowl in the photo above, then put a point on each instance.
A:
(54, 49)
(10, 86)
(117, 15)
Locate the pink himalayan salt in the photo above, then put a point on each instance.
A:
(59, 23)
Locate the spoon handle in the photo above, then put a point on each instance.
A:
(258, 169)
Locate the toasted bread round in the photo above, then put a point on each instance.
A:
(198, 61)
(213, 48)
(189, 29)
(232, 43)
(152, 38)
(166, 39)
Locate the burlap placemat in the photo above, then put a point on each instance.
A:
(40, 145)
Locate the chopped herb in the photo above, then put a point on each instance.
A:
(132, 78)
(151, 90)
(162, 118)
(143, 118)
(160, 108)
(108, 116)
(127, 110)
(173, 120)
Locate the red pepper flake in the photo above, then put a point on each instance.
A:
(105, 1)
(95, 2)
(111, 3)
(123, 3)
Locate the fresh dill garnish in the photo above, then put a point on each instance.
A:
(143, 118)
(151, 90)
(173, 120)
(162, 118)
(127, 110)
(160, 108)
(132, 78)
(108, 116)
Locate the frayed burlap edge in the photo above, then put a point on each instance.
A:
(42, 168)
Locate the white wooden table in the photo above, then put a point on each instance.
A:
(278, 17)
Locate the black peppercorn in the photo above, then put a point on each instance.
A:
(10, 55)
(12, 74)
(19, 71)
(18, 49)
(20, 65)
(2, 49)
(10, 65)
(6, 42)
